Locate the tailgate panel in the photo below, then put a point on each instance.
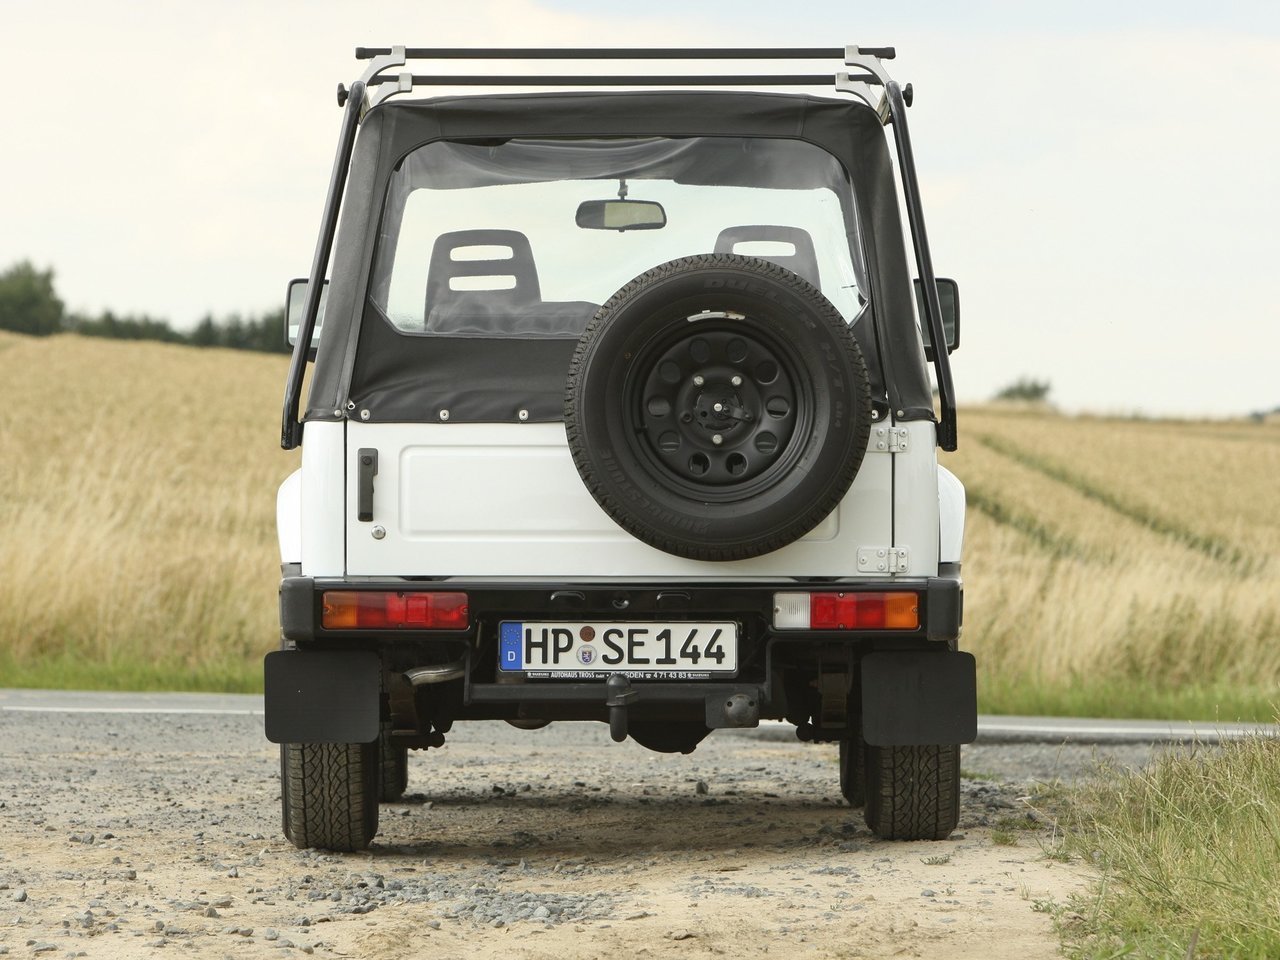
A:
(506, 500)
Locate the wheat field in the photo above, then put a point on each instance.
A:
(1122, 567)
(137, 502)
(1113, 567)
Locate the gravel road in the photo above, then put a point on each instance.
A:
(123, 835)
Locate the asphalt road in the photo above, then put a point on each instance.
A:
(991, 729)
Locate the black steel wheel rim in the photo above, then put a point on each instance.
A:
(715, 406)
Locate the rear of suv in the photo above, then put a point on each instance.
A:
(621, 411)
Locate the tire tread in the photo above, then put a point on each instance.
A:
(329, 796)
(913, 792)
(393, 766)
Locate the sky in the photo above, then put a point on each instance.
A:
(1099, 177)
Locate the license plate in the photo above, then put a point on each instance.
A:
(669, 651)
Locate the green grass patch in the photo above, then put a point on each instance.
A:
(1189, 853)
(1125, 698)
(69, 672)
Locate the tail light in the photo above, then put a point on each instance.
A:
(846, 611)
(381, 610)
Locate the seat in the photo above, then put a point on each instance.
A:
(803, 260)
(491, 290)
(492, 296)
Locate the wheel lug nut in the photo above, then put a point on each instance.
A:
(717, 439)
(717, 407)
(698, 380)
(736, 381)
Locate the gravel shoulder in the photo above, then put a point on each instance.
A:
(127, 834)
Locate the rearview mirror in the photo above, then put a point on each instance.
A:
(949, 300)
(621, 215)
(295, 303)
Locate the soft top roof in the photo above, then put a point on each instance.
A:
(842, 127)
(848, 129)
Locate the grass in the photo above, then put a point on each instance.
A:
(137, 489)
(1113, 567)
(1121, 568)
(1189, 857)
(1100, 490)
(70, 671)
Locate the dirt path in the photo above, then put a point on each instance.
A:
(125, 835)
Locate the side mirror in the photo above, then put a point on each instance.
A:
(949, 300)
(295, 303)
(621, 215)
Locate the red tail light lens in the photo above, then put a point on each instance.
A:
(846, 611)
(381, 610)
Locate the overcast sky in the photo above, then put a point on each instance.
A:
(1100, 177)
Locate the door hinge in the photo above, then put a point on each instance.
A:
(884, 559)
(889, 440)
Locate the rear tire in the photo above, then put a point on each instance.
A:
(393, 766)
(913, 793)
(329, 794)
(852, 771)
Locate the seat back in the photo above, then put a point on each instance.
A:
(474, 293)
(802, 260)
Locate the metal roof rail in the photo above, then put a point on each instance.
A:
(380, 84)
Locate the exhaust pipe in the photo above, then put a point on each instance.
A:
(436, 673)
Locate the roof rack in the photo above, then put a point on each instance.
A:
(379, 83)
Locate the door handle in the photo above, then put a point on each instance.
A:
(367, 465)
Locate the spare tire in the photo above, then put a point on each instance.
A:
(718, 407)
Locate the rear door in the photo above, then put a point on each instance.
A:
(505, 500)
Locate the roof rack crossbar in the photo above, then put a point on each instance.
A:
(627, 80)
(623, 53)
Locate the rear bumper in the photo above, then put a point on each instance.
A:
(920, 691)
(941, 605)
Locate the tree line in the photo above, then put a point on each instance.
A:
(29, 303)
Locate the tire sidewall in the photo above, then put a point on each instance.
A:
(780, 309)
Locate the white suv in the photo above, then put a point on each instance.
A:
(621, 412)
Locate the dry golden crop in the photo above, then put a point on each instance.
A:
(1122, 567)
(137, 498)
(1111, 566)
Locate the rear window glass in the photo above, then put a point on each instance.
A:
(487, 239)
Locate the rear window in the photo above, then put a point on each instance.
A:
(484, 239)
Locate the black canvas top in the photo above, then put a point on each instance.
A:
(356, 360)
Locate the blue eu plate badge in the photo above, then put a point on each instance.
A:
(511, 643)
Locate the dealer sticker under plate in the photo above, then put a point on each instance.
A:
(582, 651)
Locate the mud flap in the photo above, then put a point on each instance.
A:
(919, 698)
(323, 696)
